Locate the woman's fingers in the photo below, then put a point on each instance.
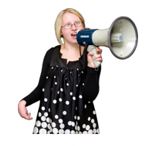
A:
(23, 110)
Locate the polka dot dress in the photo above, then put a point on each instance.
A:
(63, 108)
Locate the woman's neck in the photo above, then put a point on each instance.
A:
(71, 52)
(70, 47)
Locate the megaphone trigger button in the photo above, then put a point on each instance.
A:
(84, 43)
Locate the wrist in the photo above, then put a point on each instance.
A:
(22, 102)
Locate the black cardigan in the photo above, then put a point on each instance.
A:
(91, 83)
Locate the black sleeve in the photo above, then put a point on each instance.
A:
(91, 89)
(36, 94)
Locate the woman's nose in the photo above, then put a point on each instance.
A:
(73, 27)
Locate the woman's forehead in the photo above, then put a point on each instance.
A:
(69, 17)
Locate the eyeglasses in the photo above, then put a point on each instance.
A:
(69, 25)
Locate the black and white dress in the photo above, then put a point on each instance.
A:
(66, 92)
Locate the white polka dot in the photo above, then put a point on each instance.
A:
(45, 99)
(80, 96)
(92, 121)
(61, 131)
(83, 84)
(84, 126)
(46, 114)
(74, 98)
(49, 120)
(94, 112)
(87, 127)
(54, 77)
(78, 117)
(61, 126)
(46, 77)
(94, 131)
(57, 92)
(43, 118)
(76, 85)
(73, 124)
(67, 102)
(39, 114)
(42, 131)
(61, 89)
(43, 89)
(84, 132)
(60, 121)
(89, 118)
(44, 124)
(78, 128)
(60, 99)
(42, 108)
(64, 113)
(67, 131)
(49, 126)
(38, 123)
(55, 130)
(56, 116)
(53, 124)
(67, 84)
(71, 93)
(69, 123)
(35, 130)
(54, 101)
(55, 83)
(94, 125)
(72, 132)
(85, 106)
(90, 131)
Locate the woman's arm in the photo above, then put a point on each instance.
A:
(36, 94)
(91, 89)
(92, 75)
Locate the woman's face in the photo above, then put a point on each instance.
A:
(71, 24)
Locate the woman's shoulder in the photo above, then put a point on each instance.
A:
(53, 49)
(52, 55)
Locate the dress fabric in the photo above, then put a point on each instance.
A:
(64, 109)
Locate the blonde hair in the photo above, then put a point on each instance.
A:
(58, 22)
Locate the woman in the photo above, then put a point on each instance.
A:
(68, 84)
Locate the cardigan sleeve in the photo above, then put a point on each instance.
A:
(91, 89)
(36, 94)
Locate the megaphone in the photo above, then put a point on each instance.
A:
(121, 37)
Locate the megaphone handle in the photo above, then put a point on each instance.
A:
(92, 49)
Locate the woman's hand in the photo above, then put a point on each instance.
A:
(23, 110)
(91, 57)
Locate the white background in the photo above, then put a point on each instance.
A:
(127, 106)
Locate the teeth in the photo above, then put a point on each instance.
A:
(73, 34)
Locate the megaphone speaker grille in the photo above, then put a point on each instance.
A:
(123, 37)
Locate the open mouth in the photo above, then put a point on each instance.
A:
(74, 35)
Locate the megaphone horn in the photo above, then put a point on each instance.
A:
(121, 37)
